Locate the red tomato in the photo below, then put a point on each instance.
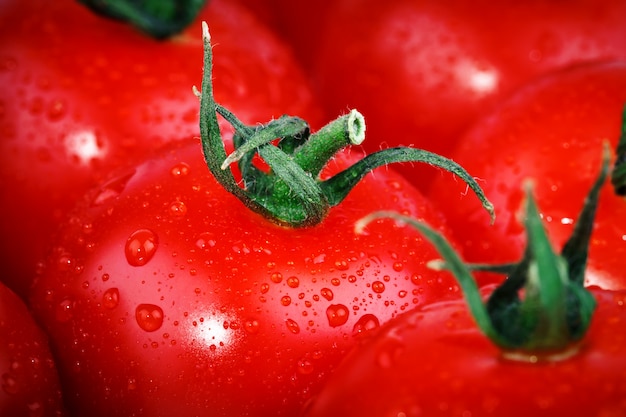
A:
(165, 295)
(29, 383)
(435, 362)
(551, 131)
(80, 94)
(300, 23)
(422, 71)
(546, 345)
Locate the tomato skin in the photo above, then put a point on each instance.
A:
(422, 72)
(81, 95)
(29, 383)
(433, 361)
(229, 314)
(552, 131)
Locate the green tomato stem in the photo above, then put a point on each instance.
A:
(158, 18)
(292, 193)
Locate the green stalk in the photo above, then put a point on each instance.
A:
(292, 193)
(555, 310)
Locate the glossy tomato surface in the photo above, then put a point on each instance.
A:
(165, 294)
(552, 131)
(29, 382)
(80, 94)
(435, 362)
(422, 71)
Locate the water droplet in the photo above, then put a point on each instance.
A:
(341, 265)
(327, 293)
(111, 298)
(293, 282)
(178, 209)
(378, 287)
(180, 170)
(286, 300)
(65, 310)
(251, 326)
(335, 281)
(337, 315)
(112, 189)
(402, 294)
(205, 241)
(149, 317)
(56, 110)
(398, 266)
(366, 323)
(292, 326)
(305, 366)
(265, 288)
(276, 277)
(140, 247)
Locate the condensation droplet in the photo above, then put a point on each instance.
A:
(251, 326)
(178, 208)
(111, 298)
(342, 265)
(327, 293)
(65, 310)
(366, 323)
(293, 282)
(398, 266)
(149, 317)
(112, 189)
(265, 288)
(205, 241)
(180, 170)
(337, 314)
(276, 277)
(292, 326)
(305, 366)
(56, 110)
(141, 247)
(378, 287)
(285, 300)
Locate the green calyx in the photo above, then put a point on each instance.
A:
(292, 193)
(542, 309)
(158, 18)
(618, 178)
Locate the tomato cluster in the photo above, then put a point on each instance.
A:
(283, 208)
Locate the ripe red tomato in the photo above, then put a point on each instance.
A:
(164, 294)
(300, 23)
(80, 94)
(551, 131)
(422, 71)
(546, 345)
(29, 383)
(435, 362)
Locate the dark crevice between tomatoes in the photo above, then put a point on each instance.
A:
(160, 19)
(542, 310)
(618, 177)
(291, 193)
